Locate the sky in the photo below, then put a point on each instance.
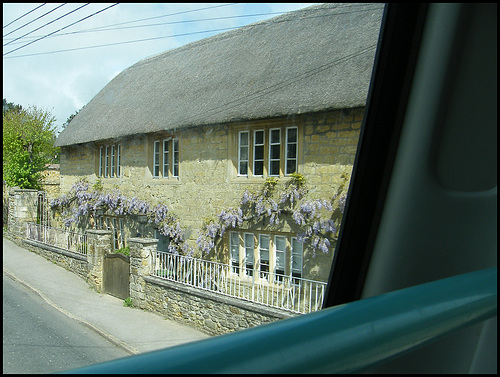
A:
(58, 56)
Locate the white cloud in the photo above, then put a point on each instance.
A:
(64, 82)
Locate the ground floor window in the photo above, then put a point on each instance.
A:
(266, 256)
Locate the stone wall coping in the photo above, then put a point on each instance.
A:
(14, 190)
(55, 249)
(143, 240)
(98, 231)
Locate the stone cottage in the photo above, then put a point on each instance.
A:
(196, 126)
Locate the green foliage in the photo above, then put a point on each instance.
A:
(28, 139)
(128, 302)
(124, 250)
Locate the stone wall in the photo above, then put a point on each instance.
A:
(210, 312)
(22, 206)
(70, 261)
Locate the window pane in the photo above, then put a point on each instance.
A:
(234, 243)
(280, 252)
(106, 163)
(275, 152)
(156, 159)
(175, 169)
(275, 136)
(258, 152)
(291, 151)
(249, 245)
(274, 168)
(166, 157)
(101, 160)
(112, 161)
(118, 160)
(291, 135)
(264, 255)
(243, 153)
(297, 256)
(258, 168)
(243, 167)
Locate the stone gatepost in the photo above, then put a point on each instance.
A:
(99, 243)
(141, 259)
(23, 208)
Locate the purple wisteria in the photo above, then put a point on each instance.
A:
(318, 218)
(81, 202)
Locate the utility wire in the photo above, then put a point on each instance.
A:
(18, 18)
(170, 36)
(43, 15)
(48, 23)
(93, 14)
(126, 42)
(167, 23)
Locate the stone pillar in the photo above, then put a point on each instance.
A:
(141, 259)
(22, 209)
(99, 243)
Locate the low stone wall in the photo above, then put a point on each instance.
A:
(209, 312)
(70, 261)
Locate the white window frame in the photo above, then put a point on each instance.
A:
(101, 160)
(156, 159)
(112, 161)
(261, 251)
(175, 158)
(106, 162)
(118, 160)
(166, 157)
(234, 263)
(278, 276)
(240, 148)
(248, 250)
(271, 147)
(255, 160)
(294, 255)
(287, 144)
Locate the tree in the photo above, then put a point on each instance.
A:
(28, 144)
(8, 106)
(70, 118)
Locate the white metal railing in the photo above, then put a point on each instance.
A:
(271, 289)
(62, 238)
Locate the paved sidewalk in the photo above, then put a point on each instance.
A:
(134, 330)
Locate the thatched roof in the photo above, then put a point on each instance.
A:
(314, 59)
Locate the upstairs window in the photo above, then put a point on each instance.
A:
(268, 152)
(109, 165)
(166, 158)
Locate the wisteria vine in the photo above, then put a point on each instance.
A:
(81, 202)
(318, 219)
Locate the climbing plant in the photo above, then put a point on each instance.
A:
(318, 219)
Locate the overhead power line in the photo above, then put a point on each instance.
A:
(48, 23)
(166, 23)
(80, 20)
(18, 18)
(342, 8)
